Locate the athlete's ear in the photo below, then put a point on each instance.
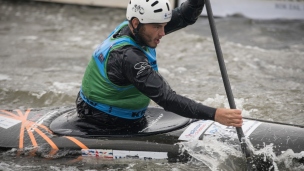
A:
(135, 22)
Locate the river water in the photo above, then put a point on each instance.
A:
(44, 50)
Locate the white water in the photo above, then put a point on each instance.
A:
(226, 155)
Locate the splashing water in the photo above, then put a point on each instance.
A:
(286, 161)
(215, 154)
(222, 101)
(222, 151)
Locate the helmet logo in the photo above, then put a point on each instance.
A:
(167, 15)
(139, 9)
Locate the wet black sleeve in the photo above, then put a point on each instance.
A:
(185, 15)
(138, 71)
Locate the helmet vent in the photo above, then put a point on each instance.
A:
(154, 3)
(168, 6)
(149, 11)
(158, 10)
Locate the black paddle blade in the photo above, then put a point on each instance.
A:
(245, 148)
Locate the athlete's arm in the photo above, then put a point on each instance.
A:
(185, 15)
(138, 71)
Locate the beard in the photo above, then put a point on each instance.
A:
(144, 39)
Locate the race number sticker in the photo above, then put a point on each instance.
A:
(102, 153)
(195, 130)
(248, 127)
(122, 154)
(8, 122)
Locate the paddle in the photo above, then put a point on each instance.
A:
(245, 149)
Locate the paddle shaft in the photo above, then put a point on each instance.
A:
(220, 58)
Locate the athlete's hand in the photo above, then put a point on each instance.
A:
(229, 117)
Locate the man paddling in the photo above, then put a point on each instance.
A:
(123, 76)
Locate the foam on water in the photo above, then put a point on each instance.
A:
(65, 86)
(222, 101)
(227, 155)
(214, 153)
(4, 77)
(13, 99)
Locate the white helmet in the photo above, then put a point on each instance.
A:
(150, 11)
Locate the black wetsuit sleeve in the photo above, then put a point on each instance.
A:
(186, 14)
(148, 81)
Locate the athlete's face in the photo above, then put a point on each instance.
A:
(152, 33)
